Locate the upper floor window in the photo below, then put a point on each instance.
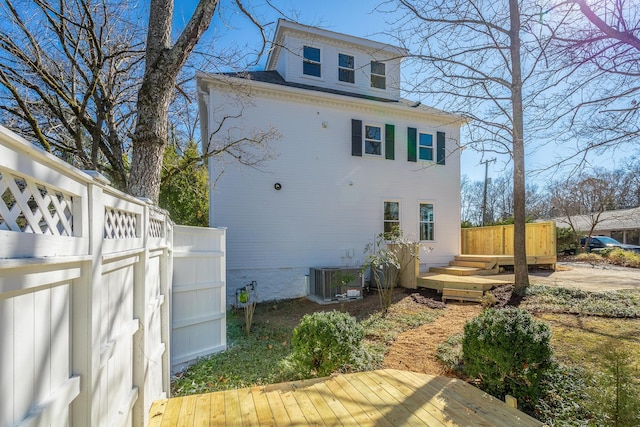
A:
(425, 146)
(426, 221)
(391, 217)
(346, 68)
(311, 62)
(378, 75)
(373, 140)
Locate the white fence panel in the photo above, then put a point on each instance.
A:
(84, 276)
(199, 289)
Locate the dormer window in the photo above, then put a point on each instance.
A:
(346, 68)
(311, 62)
(378, 75)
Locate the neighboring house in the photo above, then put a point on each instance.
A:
(352, 159)
(622, 224)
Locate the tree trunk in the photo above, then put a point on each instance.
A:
(519, 213)
(162, 65)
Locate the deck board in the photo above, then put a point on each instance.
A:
(386, 397)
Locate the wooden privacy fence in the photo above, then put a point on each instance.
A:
(498, 240)
(85, 281)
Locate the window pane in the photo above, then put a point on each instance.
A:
(391, 211)
(373, 132)
(426, 212)
(373, 147)
(426, 140)
(346, 76)
(426, 231)
(377, 68)
(345, 61)
(426, 153)
(311, 69)
(426, 221)
(390, 225)
(378, 82)
(311, 53)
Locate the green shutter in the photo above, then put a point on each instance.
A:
(412, 147)
(389, 141)
(440, 148)
(356, 137)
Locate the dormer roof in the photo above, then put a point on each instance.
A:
(287, 27)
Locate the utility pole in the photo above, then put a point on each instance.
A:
(484, 196)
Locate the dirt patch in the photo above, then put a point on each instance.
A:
(415, 350)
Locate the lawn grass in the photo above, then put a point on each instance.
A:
(583, 341)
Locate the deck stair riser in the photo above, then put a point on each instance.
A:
(475, 264)
(461, 294)
(462, 271)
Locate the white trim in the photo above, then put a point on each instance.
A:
(364, 140)
(338, 68)
(433, 204)
(310, 61)
(392, 200)
(434, 140)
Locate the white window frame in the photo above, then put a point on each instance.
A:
(383, 76)
(310, 61)
(351, 70)
(433, 145)
(432, 222)
(365, 139)
(385, 221)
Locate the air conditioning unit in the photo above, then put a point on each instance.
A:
(335, 283)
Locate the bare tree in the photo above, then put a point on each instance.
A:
(597, 51)
(472, 59)
(69, 73)
(86, 82)
(585, 198)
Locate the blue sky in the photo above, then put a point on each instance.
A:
(354, 17)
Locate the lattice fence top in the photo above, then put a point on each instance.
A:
(120, 224)
(30, 207)
(156, 228)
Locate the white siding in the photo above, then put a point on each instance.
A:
(330, 204)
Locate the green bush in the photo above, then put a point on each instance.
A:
(326, 342)
(509, 352)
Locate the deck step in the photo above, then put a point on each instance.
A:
(461, 294)
(477, 264)
(462, 271)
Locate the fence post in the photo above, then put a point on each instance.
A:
(87, 316)
(166, 287)
(141, 347)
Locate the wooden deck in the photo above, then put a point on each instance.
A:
(379, 398)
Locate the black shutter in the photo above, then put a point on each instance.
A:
(412, 148)
(389, 141)
(440, 148)
(356, 137)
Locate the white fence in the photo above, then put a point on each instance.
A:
(198, 302)
(85, 285)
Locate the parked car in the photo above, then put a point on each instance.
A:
(599, 243)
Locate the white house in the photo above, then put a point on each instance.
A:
(350, 159)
